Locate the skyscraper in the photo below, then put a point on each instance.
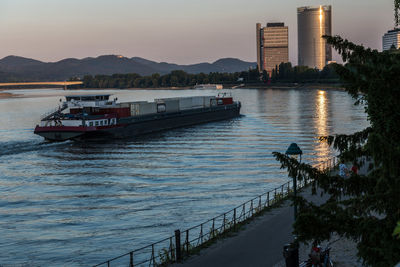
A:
(272, 45)
(312, 24)
(391, 38)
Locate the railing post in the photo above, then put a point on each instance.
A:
(224, 222)
(178, 245)
(275, 196)
(108, 263)
(187, 242)
(130, 259)
(268, 199)
(201, 233)
(251, 208)
(152, 255)
(234, 217)
(213, 228)
(259, 203)
(171, 248)
(282, 191)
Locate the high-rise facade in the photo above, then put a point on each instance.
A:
(312, 24)
(272, 45)
(391, 38)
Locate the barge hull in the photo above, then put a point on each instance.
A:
(131, 127)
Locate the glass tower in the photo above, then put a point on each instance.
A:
(312, 24)
(272, 45)
(391, 38)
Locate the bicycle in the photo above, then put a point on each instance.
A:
(318, 258)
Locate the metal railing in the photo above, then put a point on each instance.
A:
(175, 248)
(48, 114)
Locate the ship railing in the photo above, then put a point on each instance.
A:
(48, 114)
(178, 246)
(224, 94)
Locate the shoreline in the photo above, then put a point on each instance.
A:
(4, 95)
(8, 95)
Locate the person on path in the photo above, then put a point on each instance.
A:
(343, 170)
(354, 169)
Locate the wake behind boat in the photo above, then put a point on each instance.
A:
(83, 117)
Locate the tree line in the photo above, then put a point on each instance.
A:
(178, 78)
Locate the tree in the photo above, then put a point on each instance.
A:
(365, 208)
(265, 76)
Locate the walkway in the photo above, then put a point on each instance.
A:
(259, 244)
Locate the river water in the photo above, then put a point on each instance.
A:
(78, 204)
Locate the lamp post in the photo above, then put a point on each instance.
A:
(294, 151)
(292, 254)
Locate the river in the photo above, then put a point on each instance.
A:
(78, 204)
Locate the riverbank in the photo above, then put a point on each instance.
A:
(5, 95)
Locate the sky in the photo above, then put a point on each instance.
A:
(176, 31)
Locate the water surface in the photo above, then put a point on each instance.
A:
(77, 204)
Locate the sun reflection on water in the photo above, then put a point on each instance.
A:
(321, 122)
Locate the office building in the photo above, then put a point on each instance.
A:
(312, 24)
(272, 46)
(391, 38)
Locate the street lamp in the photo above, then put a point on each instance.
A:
(292, 258)
(294, 151)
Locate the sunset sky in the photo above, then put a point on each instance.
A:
(178, 31)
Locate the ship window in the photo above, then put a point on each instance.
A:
(105, 122)
(91, 123)
(101, 123)
(97, 123)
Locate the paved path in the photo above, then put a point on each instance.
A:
(259, 244)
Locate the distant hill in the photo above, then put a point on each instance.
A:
(14, 68)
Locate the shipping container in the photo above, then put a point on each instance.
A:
(209, 101)
(124, 105)
(185, 103)
(122, 112)
(197, 101)
(143, 108)
(148, 108)
(172, 105)
(227, 100)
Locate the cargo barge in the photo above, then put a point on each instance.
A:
(83, 117)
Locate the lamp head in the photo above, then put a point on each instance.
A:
(293, 150)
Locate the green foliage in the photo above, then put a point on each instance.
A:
(165, 257)
(282, 73)
(396, 12)
(396, 231)
(286, 73)
(365, 208)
